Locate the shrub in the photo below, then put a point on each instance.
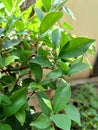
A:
(31, 44)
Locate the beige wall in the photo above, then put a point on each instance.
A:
(86, 24)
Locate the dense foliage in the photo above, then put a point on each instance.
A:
(35, 56)
(86, 100)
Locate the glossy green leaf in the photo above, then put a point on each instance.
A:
(67, 26)
(7, 79)
(8, 4)
(5, 127)
(19, 26)
(61, 97)
(55, 74)
(61, 121)
(45, 82)
(1, 61)
(10, 43)
(75, 47)
(59, 4)
(45, 109)
(39, 13)
(4, 100)
(21, 116)
(18, 99)
(73, 113)
(10, 59)
(55, 36)
(41, 122)
(49, 20)
(34, 85)
(48, 103)
(78, 67)
(36, 70)
(64, 39)
(0, 75)
(65, 68)
(41, 60)
(47, 4)
(68, 11)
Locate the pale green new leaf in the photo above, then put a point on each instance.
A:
(44, 107)
(73, 113)
(49, 20)
(8, 4)
(61, 121)
(0, 75)
(48, 103)
(34, 85)
(64, 39)
(10, 59)
(67, 26)
(47, 4)
(41, 122)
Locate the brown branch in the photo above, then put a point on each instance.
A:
(14, 69)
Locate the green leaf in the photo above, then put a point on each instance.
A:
(18, 99)
(41, 60)
(8, 4)
(36, 70)
(4, 100)
(78, 67)
(49, 20)
(73, 113)
(10, 59)
(41, 122)
(55, 36)
(75, 47)
(45, 82)
(59, 4)
(61, 121)
(21, 116)
(34, 85)
(67, 26)
(5, 127)
(64, 39)
(55, 74)
(39, 13)
(19, 26)
(1, 61)
(47, 4)
(10, 43)
(65, 68)
(45, 109)
(68, 11)
(48, 103)
(0, 75)
(61, 97)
